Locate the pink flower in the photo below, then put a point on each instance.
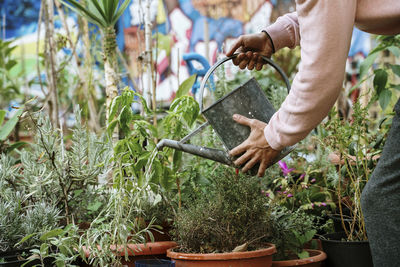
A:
(323, 204)
(313, 180)
(284, 168)
(289, 195)
(302, 176)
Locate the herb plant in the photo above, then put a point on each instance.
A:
(232, 213)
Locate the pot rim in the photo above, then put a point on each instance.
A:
(318, 257)
(271, 249)
(149, 248)
(325, 238)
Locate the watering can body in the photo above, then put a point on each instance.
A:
(247, 100)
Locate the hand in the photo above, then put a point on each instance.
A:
(255, 147)
(250, 48)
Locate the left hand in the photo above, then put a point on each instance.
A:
(255, 147)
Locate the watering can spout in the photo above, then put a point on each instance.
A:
(205, 152)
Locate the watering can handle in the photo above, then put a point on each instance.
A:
(221, 61)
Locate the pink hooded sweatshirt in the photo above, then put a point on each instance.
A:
(323, 29)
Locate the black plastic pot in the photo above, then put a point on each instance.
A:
(154, 263)
(15, 258)
(346, 253)
(337, 222)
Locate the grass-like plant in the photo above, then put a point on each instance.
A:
(104, 14)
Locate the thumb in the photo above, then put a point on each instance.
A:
(242, 120)
(237, 44)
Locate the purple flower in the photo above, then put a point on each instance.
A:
(289, 195)
(323, 204)
(302, 176)
(284, 168)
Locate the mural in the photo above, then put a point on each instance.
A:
(205, 27)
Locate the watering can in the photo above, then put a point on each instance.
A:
(247, 100)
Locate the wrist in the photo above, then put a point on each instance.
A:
(269, 40)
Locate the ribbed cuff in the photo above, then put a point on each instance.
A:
(280, 35)
(272, 141)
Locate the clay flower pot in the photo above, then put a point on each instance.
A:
(257, 258)
(315, 260)
(150, 250)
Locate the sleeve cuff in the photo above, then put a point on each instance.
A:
(280, 34)
(273, 142)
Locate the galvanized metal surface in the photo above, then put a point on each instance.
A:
(247, 100)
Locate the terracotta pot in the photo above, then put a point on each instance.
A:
(315, 260)
(257, 258)
(150, 250)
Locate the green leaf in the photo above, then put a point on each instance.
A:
(121, 10)
(2, 115)
(98, 8)
(16, 145)
(84, 12)
(304, 254)
(24, 239)
(94, 206)
(395, 50)
(395, 86)
(384, 98)
(177, 160)
(396, 69)
(52, 233)
(185, 86)
(380, 80)
(7, 128)
(44, 248)
(367, 63)
(111, 127)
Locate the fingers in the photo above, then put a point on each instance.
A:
(242, 120)
(244, 158)
(263, 166)
(253, 62)
(239, 149)
(260, 63)
(251, 163)
(236, 61)
(238, 44)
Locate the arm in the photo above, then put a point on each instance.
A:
(325, 30)
(285, 31)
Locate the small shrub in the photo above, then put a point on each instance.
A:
(233, 213)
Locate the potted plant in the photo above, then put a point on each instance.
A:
(292, 231)
(355, 144)
(19, 220)
(227, 226)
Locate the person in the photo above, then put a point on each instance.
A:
(323, 29)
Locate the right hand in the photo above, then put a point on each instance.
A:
(250, 48)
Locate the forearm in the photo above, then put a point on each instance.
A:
(325, 28)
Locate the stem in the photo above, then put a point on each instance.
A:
(51, 64)
(109, 47)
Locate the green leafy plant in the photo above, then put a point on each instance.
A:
(17, 220)
(357, 144)
(383, 74)
(7, 128)
(291, 231)
(58, 247)
(137, 152)
(68, 178)
(233, 213)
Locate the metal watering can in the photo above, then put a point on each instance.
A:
(247, 100)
